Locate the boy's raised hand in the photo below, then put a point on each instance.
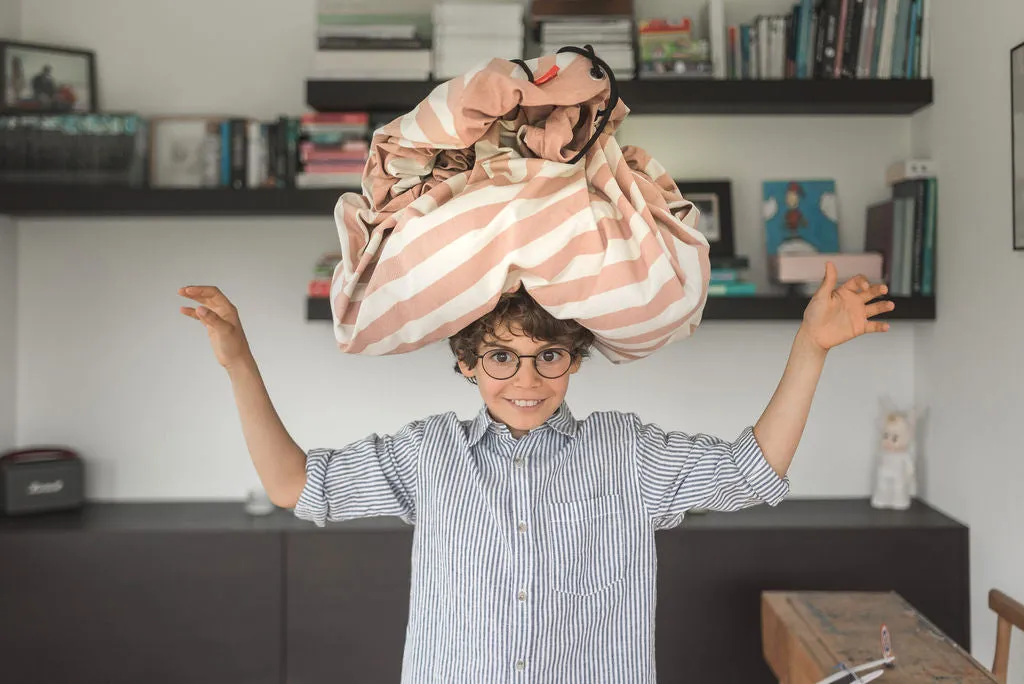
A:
(836, 315)
(220, 317)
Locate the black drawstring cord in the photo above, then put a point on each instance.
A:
(613, 99)
(529, 74)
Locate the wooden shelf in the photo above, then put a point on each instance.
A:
(760, 308)
(83, 200)
(844, 96)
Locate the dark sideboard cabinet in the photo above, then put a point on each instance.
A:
(197, 593)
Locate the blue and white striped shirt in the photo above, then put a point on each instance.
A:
(534, 559)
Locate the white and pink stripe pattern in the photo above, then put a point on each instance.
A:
(471, 194)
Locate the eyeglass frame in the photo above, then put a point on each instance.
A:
(519, 361)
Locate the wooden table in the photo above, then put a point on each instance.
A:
(805, 635)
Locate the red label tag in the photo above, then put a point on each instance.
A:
(546, 76)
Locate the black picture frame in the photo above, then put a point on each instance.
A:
(48, 98)
(1017, 144)
(713, 198)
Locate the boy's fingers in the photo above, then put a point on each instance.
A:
(875, 292)
(189, 311)
(206, 294)
(211, 297)
(211, 319)
(877, 308)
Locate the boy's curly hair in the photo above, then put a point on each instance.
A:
(518, 310)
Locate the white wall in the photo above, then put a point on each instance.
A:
(968, 367)
(106, 363)
(10, 18)
(10, 27)
(8, 318)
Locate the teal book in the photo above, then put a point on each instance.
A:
(734, 289)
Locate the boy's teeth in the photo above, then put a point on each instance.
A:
(525, 403)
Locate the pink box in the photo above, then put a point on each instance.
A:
(808, 268)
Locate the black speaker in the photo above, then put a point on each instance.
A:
(40, 479)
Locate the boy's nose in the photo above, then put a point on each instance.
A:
(527, 375)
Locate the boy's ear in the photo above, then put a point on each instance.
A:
(466, 371)
(576, 363)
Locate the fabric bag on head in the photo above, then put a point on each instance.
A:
(510, 176)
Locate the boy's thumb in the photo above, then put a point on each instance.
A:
(828, 283)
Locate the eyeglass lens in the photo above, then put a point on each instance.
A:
(502, 364)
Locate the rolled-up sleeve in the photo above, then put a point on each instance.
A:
(678, 472)
(374, 476)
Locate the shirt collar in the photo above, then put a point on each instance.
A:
(561, 421)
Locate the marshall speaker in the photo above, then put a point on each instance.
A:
(39, 480)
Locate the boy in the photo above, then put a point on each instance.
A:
(533, 557)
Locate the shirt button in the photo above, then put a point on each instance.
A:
(521, 596)
(520, 665)
(522, 526)
(519, 461)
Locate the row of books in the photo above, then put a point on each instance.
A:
(832, 39)
(70, 148)
(823, 39)
(311, 150)
(903, 229)
(359, 42)
(307, 151)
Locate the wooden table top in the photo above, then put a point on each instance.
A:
(805, 635)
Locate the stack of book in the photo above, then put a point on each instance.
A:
(353, 45)
(831, 39)
(320, 284)
(728, 277)
(903, 228)
(333, 150)
(606, 25)
(469, 34)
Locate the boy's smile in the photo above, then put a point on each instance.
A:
(526, 399)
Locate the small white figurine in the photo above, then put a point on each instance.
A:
(896, 471)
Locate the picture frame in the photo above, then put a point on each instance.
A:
(713, 197)
(1017, 143)
(39, 78)
(181, 151)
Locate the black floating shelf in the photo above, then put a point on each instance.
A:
(760, 308)
(61, 200)
(672, 96)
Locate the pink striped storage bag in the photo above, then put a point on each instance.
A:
(482, 188)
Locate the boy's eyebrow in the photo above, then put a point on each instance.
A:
(495, 345)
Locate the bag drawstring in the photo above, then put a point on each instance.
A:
(597, 65)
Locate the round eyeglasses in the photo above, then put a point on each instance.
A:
(502, 364)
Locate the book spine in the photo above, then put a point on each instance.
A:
(828, 29)
(931, 220)
(845, 10)
(915, 191)
(239, 154)
(225, 153)
(879, 31)
(851, 38)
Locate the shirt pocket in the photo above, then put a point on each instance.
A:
(587, 540)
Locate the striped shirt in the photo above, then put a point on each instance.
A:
(533, 559)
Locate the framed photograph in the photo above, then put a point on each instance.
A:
(1017, 142)
(184, 151)
(714, 199)
(47, 78)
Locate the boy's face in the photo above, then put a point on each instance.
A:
(527, 399)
